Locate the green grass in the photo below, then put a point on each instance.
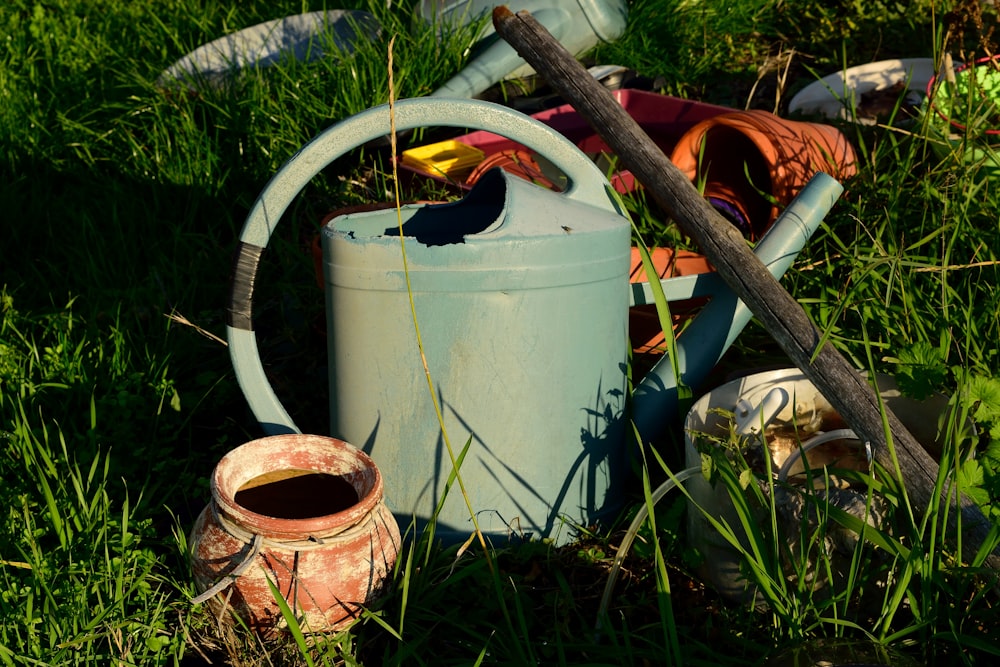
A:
(122, 204)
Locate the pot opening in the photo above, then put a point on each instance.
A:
(737, 173)
(297, 494)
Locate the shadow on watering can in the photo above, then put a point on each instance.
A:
(522, 507)
(522, 299)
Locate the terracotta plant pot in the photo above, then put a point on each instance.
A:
(305, 512)
(643, 321)
(779, 156)
(521, 163)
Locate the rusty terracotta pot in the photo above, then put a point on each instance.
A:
(307, 513)
(780, 156)
(643, 321)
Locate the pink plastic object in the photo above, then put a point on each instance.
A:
(664, 118)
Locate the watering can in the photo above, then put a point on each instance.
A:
(579, 25)
(521, 295)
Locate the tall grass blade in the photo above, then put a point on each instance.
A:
(292, 623)
(416, 325)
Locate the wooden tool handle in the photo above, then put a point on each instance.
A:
(726, 248)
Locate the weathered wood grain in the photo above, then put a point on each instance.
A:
(726, 248)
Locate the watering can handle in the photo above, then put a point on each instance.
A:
(587, 184)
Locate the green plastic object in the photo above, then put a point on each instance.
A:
(522, 297)
(963, 123)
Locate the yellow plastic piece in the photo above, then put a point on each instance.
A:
(450, 158)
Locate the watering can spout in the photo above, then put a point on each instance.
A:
(721, 321)
(579, 28)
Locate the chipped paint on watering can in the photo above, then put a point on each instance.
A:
(329, 549)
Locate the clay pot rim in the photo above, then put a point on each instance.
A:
(337, 452)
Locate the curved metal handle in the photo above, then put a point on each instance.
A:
(587, 185)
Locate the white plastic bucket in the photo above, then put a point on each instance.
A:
(722, 562)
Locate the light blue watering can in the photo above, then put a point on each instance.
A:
(522, 299)
(579, 25)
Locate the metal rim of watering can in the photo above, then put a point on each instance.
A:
(587, 184)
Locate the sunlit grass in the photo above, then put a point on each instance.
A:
(121, 205)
